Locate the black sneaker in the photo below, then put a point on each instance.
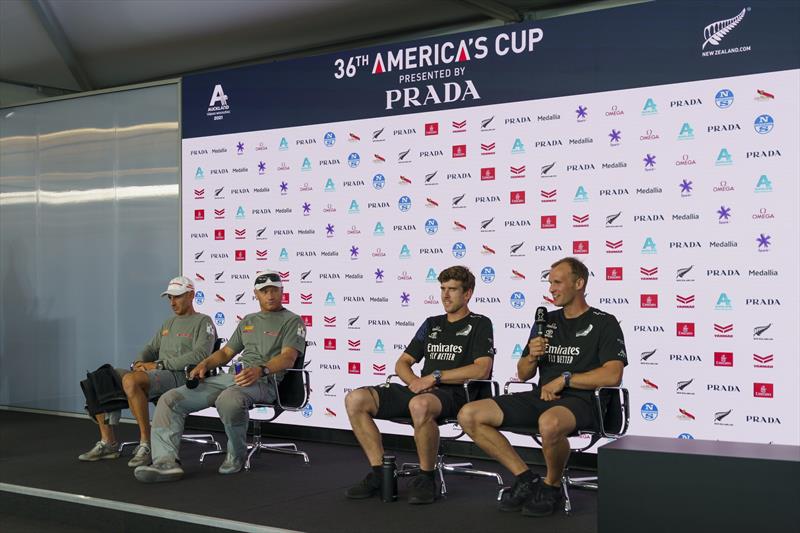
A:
(422, 490)
(520, 492)
(367, 488)
(546, 501)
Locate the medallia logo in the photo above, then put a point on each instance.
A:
(219, 318)
(353, 160)
(329, 139)
(517, 300)
(649, 411)
(431, 226)
(724, 98)
(763, 124)
(378, 181)
(404, 203)
(487, 274)
(199, 297)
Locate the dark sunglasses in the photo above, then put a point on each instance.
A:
(263, 278)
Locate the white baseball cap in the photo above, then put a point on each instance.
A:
(268, 278)
(178, 286)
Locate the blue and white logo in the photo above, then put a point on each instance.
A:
(330, 186)
(487, 274)
(219, 318)
(199, 297)
(763, 124)
(459, 250)
(404, 203)
(724, 98)
(378, 181)
(379, 348)
(353, 160)
(649, 411)
(517, 300)
(378, 231)
(329, 139)
(686, 436)
(431, 226)
(763, 184)
(308, 410)
(405, 252)
(431, 276)
(306, 165)
(284, 255)
(329, 299)
(517, 353)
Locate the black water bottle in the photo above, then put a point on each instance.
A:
(388, 479)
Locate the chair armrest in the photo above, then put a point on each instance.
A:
(306, 377)
(389, 379)
(495, 385)
(515, 382)
(622, 395)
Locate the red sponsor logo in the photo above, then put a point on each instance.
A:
(763, 361)
(487, 250)
(763, 390)
(240, 255)
(684, 329)
(549, 221)
(329, 412)
(353, 367)
(723, 330)
(219, 213)
(459, 226)
(614, 247)
(487, 174)
(459, 150)
(404, 180)
(329, 344)
(548, 196)
(432, 128)
(240, 233)
(261, 255)
(685, 302)
(459, 126)
(306, 298)
(353, 345)
(647, 384)
(220, 298)
(648, 301)
(219, 234)
(649, 273)
(580, 221)
(723, 358)
(284, 276)
(285, 298)
(378, 370)
(517, 172)
(580, 247)
(488, 148)
(199, 277)
(517, 197)
(516, 274)
(430, 202)
(199, 214)
(308, 320)
(199, 194)
(686, 414)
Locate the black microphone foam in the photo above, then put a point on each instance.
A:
(540, 321)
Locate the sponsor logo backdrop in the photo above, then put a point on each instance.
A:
(380, 168)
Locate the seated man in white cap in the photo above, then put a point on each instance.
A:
(270, 341)
(183, 339)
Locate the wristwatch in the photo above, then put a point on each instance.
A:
(264, 371)
(567, 376)
(437, 376)
(159, 365)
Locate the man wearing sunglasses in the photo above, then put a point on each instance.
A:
(269, 341)
(183, 339)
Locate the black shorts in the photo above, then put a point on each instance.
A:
(522, 409)
(393, 400)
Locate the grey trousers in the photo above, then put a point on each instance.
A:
(232, 402)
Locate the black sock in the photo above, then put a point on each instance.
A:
(377, 470)
(526, 477)
(428, 473)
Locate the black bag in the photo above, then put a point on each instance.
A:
(103, 391)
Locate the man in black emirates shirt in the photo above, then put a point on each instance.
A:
(582, 349)
(457, 346)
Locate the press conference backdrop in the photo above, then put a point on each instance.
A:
(657, 142)
(88, 237)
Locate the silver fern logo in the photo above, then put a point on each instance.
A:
(716, 31)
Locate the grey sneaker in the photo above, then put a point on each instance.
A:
(101, 450)
(231, 465)
(158, 472)
(141, 456)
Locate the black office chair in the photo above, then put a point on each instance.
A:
(476, 389)
(294, 391)
(206, 439)
(612, 411)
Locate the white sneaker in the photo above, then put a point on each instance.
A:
(157, 472)
(101, 450)
(141, 456)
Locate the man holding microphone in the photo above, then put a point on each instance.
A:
(269, 341)
(575, 349)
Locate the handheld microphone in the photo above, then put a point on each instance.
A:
(540, 321)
